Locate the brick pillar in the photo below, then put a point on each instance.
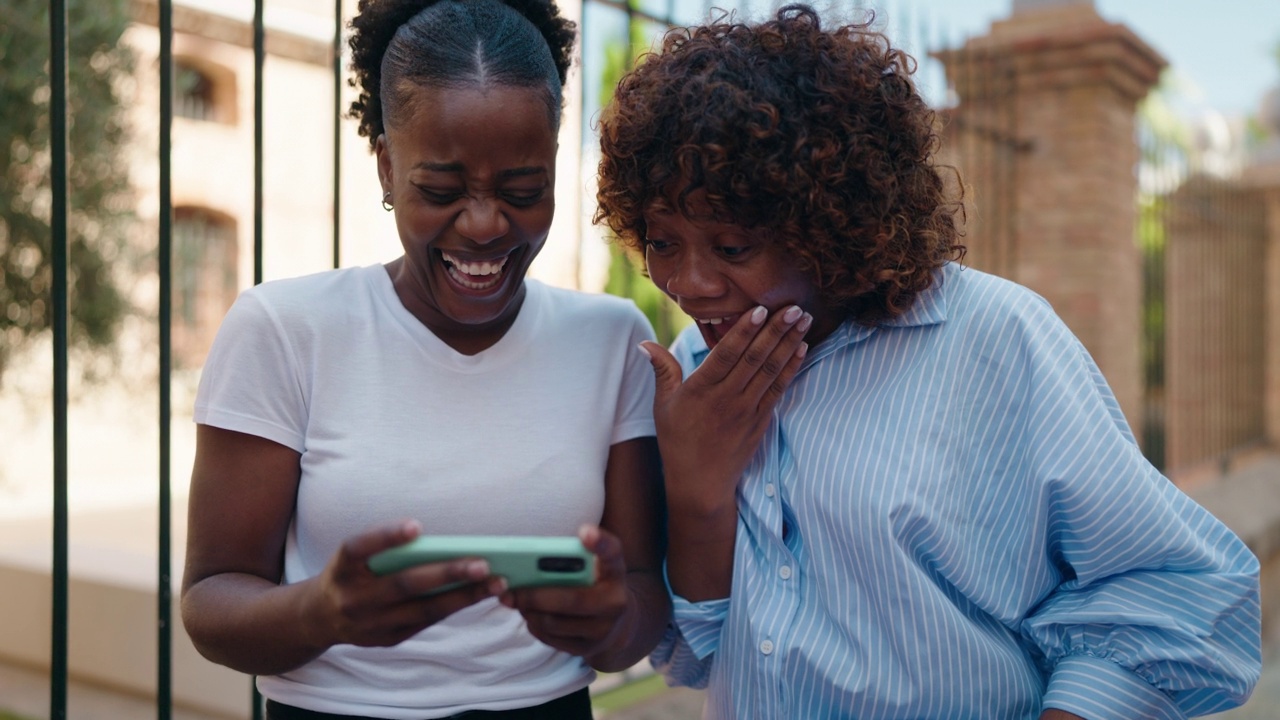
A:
(1072, 83)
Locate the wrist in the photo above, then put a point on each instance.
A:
(612, 654)
(320, 630)
(700, 500)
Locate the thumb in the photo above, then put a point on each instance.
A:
(666, 369)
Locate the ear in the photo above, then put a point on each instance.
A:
(383, 153)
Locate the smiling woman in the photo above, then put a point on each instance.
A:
(345, 413)
(933, 509)
(470, 174)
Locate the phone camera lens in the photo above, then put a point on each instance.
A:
(561, 564)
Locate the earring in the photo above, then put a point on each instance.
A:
(386, 201)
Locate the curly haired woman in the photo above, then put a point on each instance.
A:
(343, 413)
(896, 487)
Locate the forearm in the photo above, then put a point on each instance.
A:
(700, 550)
(252, 625)
(642, 624)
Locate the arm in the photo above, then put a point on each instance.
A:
(619, 619)
(1155, 608)
(243, 490)
(709, 427)
(633, 513)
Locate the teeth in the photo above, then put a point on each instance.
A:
(467, 282)
(714, 321)
(476, 269)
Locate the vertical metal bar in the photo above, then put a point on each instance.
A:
(164, 593)
(337, 133)
(259, 61)
(58, 302)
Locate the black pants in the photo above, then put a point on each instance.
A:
(574, 706)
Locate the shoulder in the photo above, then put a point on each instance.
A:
(978, 302)
(969, 290)
(307, 305)
(326, 286)
(1002, 324)
(310, 296)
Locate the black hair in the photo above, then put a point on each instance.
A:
(454, 43)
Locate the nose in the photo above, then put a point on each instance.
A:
(693, 277)
(482, 221)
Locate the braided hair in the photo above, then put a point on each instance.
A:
(397, 44)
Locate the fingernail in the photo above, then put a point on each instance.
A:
(758, 315)
(802, 350)
(477, 568)
(805, 322)
(644, 351)
(497, 586)
(792, 314)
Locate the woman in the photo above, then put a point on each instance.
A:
(344, 413)
(910, 493)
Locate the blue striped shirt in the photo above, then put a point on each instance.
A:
(970, 532)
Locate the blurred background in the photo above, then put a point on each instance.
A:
(1120, 157)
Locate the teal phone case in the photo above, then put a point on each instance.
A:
(525, 561)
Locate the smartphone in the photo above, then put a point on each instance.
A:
(525, 561)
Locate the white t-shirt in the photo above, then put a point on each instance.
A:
(392, 423)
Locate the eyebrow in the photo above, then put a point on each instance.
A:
(457, 168)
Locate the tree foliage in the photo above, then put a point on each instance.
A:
(101, 203)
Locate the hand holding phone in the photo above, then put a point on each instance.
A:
(524, 561)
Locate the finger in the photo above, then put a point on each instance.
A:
(725, 355)
(780, 384)
(760, 350)
(666, 369)
(430, 577)
(408, 618)
(562, 629)
(353, 556)
(611, 563)
(768, 383)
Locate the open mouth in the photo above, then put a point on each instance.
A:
(475, 274)
(715, 328)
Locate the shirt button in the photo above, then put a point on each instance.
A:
(766, 647)
(784, 572)
(769, 491)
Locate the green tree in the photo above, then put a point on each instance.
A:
(99, 68)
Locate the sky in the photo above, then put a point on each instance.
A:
(1222, 51)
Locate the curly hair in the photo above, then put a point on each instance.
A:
(454, 43)
(815, 138)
